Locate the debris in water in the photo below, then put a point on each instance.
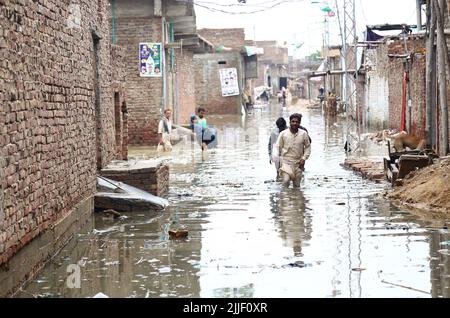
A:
(153, 260)
(411, 288)
(165, 270)
(114, 263)
(194, 215)
(358, 269)
(110, 213)
(340, 203)
(185, 195)
(178, 234)
(444, 252)
(296, 264)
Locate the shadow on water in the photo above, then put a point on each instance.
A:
(248, 237)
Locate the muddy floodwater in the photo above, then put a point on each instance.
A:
(249, 237)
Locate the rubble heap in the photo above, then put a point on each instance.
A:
(428, 188)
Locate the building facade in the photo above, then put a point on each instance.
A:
(230, 53)
(62, 101)
(171, 25)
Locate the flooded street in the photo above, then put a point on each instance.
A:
(249, 237)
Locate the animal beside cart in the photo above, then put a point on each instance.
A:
(399, 164)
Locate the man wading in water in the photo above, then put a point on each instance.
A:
(294, 148)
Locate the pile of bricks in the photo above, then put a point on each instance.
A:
(367, 168)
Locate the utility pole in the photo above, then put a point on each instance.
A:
(350, 69)
(326, 48)
(442, 59)
(407, 69)
(419, 14)
(430, 74)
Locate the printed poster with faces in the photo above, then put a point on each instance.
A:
(229, 81)
(150, 62)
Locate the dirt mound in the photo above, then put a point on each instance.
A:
(428, 188)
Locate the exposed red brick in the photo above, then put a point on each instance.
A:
(48, 119)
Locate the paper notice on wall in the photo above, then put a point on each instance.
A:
(229, 82)
(150, 60)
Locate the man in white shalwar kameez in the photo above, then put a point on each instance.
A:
(294, 148)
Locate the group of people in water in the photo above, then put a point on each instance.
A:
(289, 146)
(199, 128)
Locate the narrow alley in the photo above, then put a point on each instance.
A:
(336, 237)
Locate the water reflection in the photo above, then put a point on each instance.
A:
(440, 263)
(289, 207)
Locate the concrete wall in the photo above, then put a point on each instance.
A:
(49, 125)
(275, 72)
(134, 8)
(376, 88)
(208, 90)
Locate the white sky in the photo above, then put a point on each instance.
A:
(301, 21)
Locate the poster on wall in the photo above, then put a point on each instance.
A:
(150, 60)
(229, 82)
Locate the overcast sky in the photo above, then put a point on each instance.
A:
(299, 21)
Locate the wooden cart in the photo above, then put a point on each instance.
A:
(399, 164)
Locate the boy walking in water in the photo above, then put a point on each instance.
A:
(206, 138)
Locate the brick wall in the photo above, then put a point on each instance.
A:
(153, 178)
(261, 80)
(273, 52)
(120, 108)
(417, 79)
(185, 70)
(360, 106)
(208, 90)
(144, 94)
(232, 38)
(48, 118)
